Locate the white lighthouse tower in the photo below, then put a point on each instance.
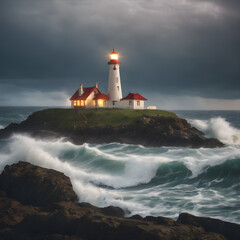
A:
(114, 82)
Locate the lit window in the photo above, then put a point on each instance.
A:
(78, 103)
(75, 103)
(82, 102)
(100, 103)
(138, 103)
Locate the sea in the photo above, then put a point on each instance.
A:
(156, 181)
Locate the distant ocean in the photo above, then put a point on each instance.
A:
(143, 180)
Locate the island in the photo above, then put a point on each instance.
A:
(155, 128)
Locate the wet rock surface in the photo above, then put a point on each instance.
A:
(63, 218)
(34, 185)
(229, 230)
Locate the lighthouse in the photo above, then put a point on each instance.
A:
(114, 81)
(92, 97)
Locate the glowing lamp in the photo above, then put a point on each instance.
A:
(114, 55)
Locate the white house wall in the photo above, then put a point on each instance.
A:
(125, 104)
(135, 106)
(90, 103)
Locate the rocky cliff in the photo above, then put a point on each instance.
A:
(148, 128)
(38, 203)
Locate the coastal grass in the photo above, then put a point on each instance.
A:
(60, 118)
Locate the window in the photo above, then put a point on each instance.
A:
(118, 88)
(138, 103)
(78, 103)
(82, 102)
(117, 80)
(130, 103)
(104, 103)
(75, 103)
(114, 103)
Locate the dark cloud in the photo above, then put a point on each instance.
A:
(177, 47)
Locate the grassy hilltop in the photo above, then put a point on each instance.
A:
(65, 118)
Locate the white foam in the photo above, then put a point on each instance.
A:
(218, 128)
(1, 126)
(134, 168)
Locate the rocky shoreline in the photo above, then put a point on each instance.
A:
(146, 130)
(38, 203)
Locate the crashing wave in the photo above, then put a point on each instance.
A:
(218, 128)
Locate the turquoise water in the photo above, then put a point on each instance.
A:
(144, 180)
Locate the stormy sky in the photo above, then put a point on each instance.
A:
(180, 54)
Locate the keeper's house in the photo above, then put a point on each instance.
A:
(89, 97)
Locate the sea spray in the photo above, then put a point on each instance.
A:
(145, 181)
(218, 128)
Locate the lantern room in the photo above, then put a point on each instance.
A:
(114, 55)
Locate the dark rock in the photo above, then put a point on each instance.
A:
(9, 130)
(34, 185)
(161, 220)
(2, 193)
(137, 217)
(168, 131)
(12, 212)
(107, 211)
(10, 234)
(72, 220)
(113, 211)
(230, 230)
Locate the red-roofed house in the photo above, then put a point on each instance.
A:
(88, 97)
(133, 100)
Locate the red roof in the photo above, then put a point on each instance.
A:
(86, 93)
(101, 96)
(113, 61)
(134, 96)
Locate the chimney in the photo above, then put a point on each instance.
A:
(96, 85)
(81, 90)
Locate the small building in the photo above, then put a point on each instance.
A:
(88, 97)
(91, 97)
(133, 101)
